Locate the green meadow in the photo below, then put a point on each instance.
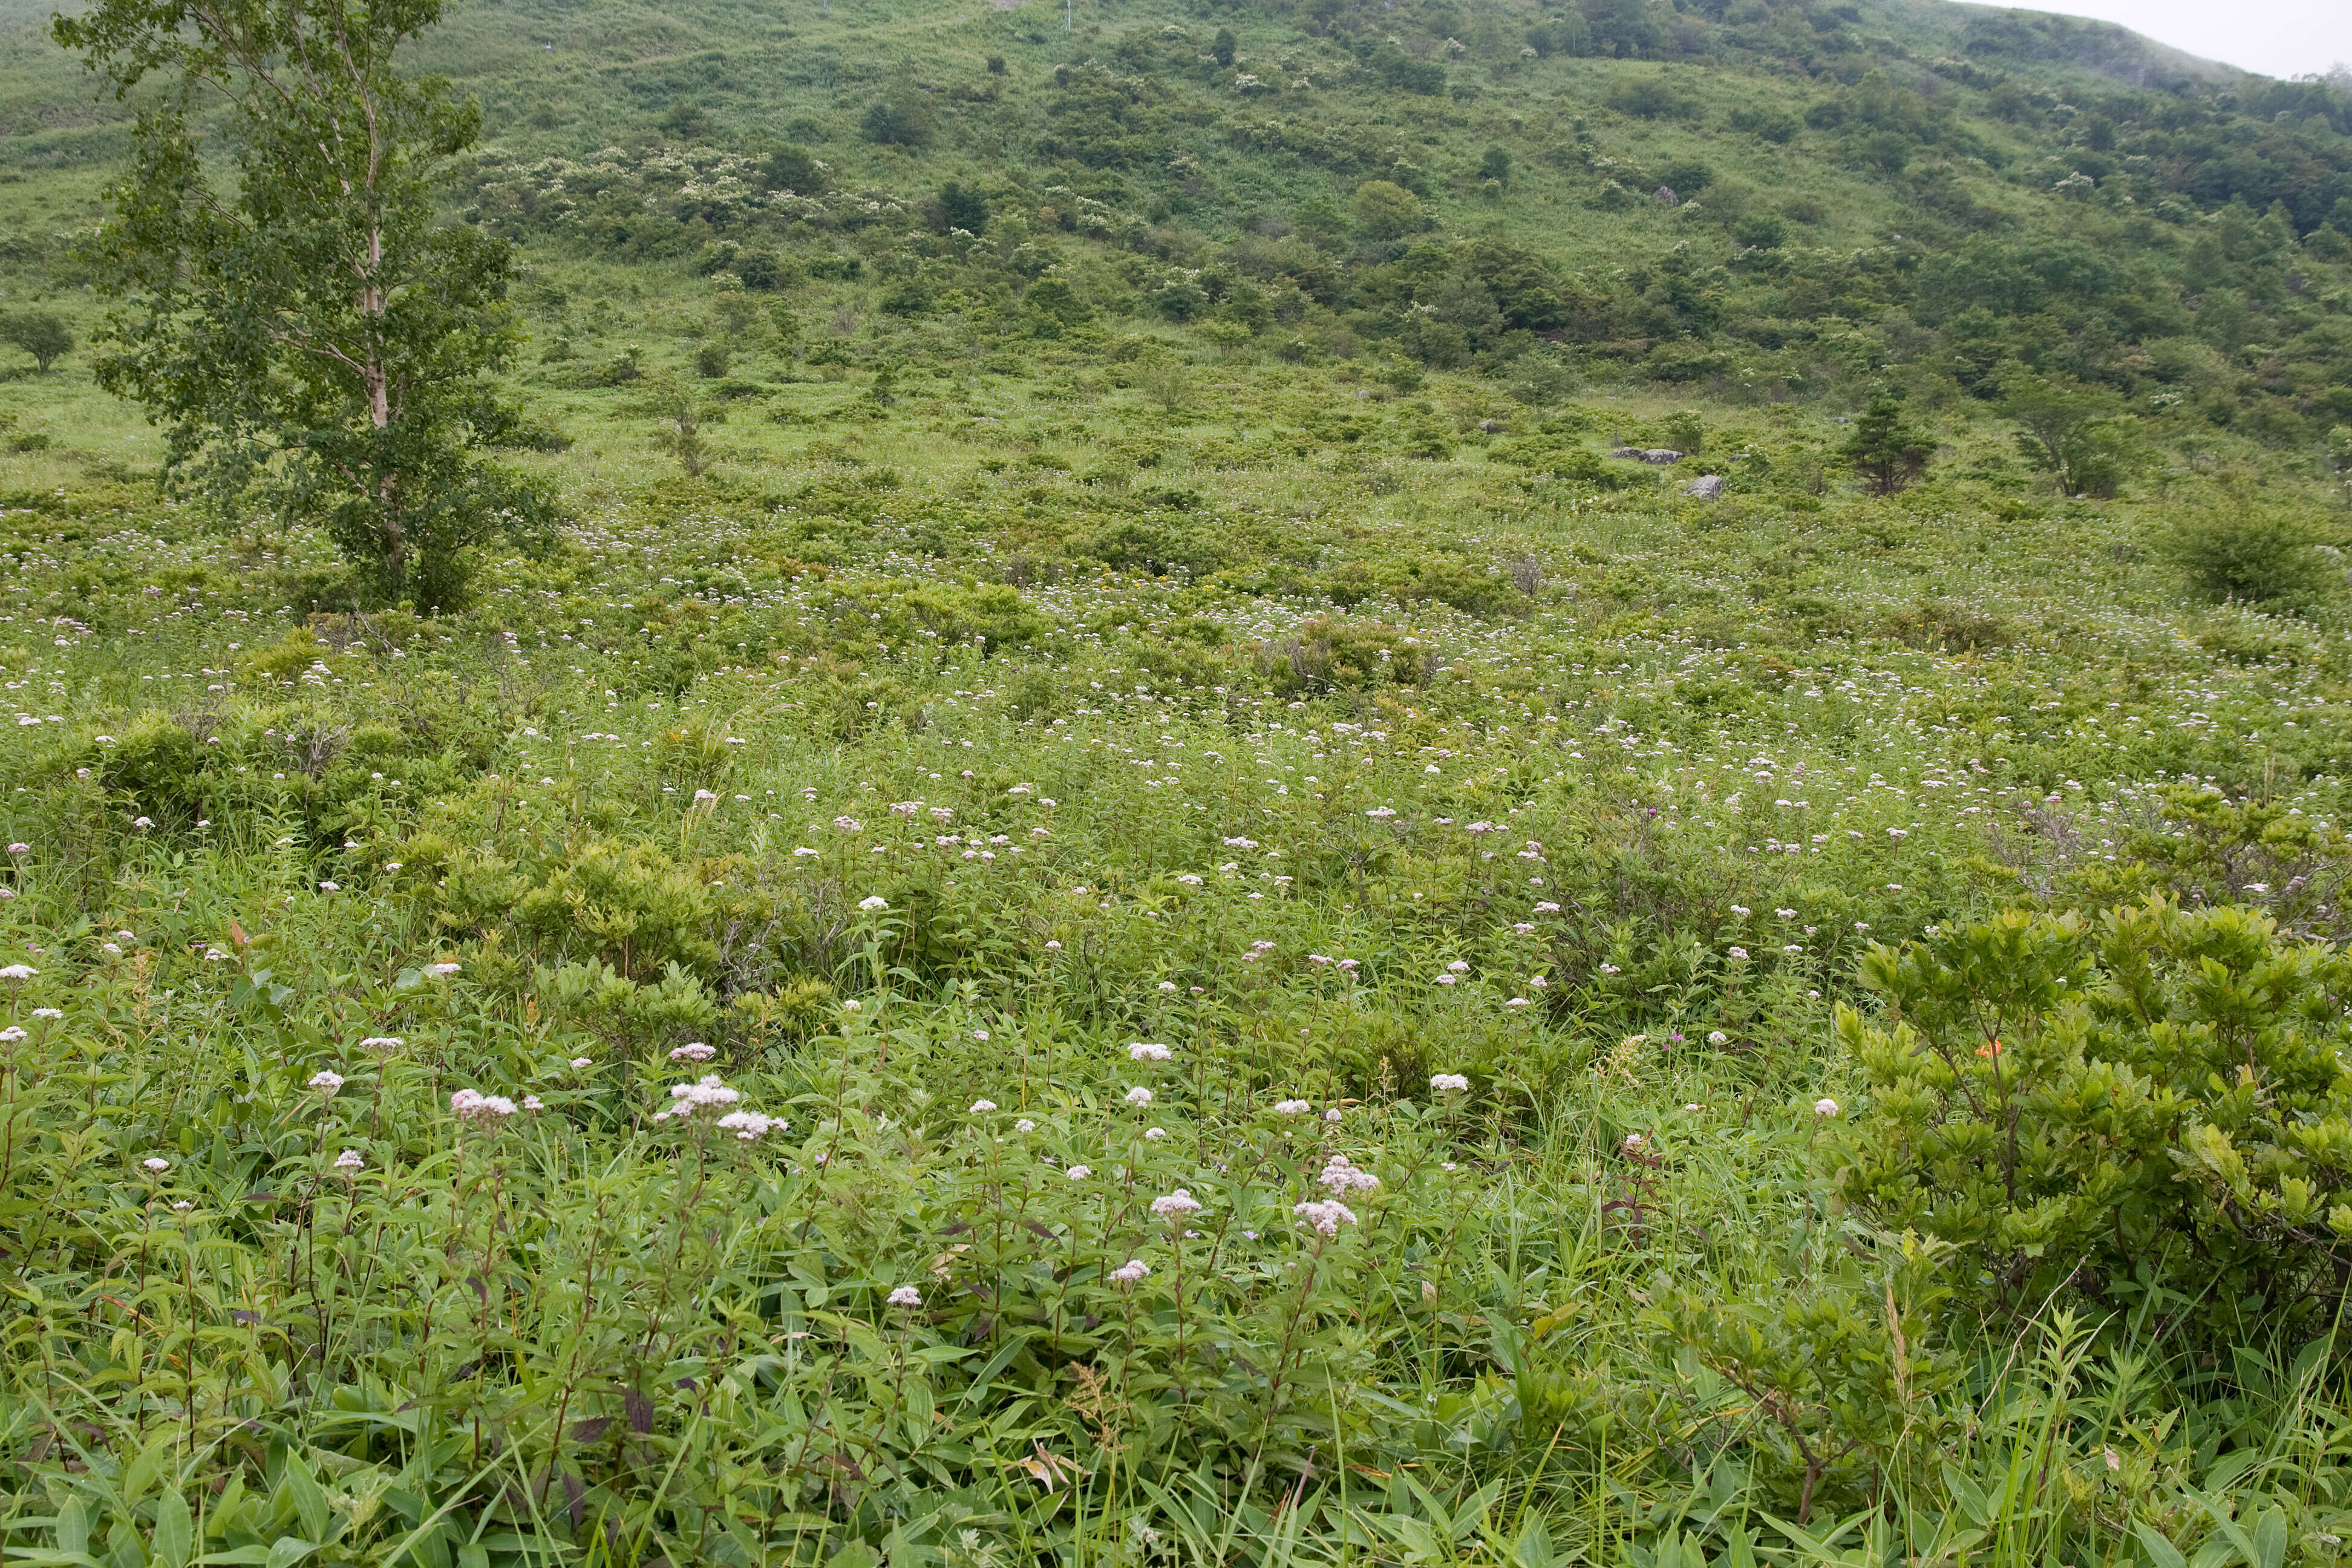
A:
(1127, 872)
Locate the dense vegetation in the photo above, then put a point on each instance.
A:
(1100, 887)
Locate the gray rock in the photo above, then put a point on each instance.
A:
(1648, 454)
(1706, 487)
(1491, 427)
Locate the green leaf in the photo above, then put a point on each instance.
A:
(1534, 1548)
(176, 1531)
(310, 1501)
(2161, 1552)
(73, 1527)
(140, 1472)
(1968, 1495)
(2270, 1538)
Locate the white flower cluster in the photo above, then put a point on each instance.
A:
(1129, 1272)
(1449, 1082)
(1343, 1177)
(1147, 1051)
(748, 1125)
(686, 1099)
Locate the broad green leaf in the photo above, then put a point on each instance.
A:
(310, 1501)
(174, 1541)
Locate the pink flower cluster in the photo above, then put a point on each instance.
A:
(1176, 1206)
(1327, 1217)
(483, 1109)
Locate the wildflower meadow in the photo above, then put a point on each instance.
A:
(1219, 786)
(659, 1066)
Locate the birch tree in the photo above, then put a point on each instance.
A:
(317, 345)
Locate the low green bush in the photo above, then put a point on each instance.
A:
(2149, 1107)
(2254, 554)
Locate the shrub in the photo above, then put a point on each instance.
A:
(1561, 457)
(1423, 579)
(1652, 98)
(960, 207)
(2147, 1106)
(1387, 210)
(793, 169)
(686, 120)
(1330, 655)
(1839, 1368)
(2074, 432)
(899, 118)
(1772, 124)
(2258, 555)
(158, 769)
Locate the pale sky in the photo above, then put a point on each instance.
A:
(2276, 38)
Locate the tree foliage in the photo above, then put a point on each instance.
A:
(1887, 449)
(315, 343)
(41, 333)
(2070, 430)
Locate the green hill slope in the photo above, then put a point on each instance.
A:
(1744, 202)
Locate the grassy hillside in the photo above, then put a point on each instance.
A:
(1111, 896)
(1935, 193)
